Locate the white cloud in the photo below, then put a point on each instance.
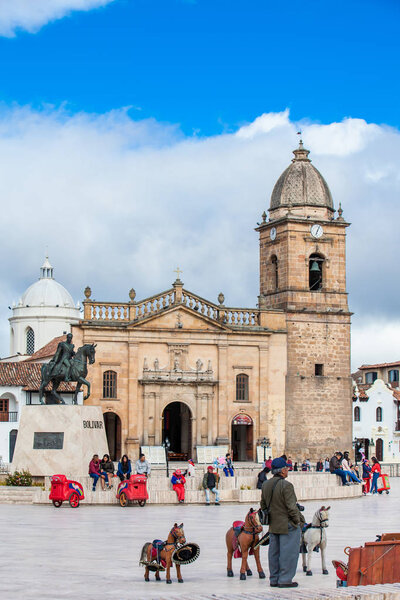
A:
(121, 203)
(31, 15)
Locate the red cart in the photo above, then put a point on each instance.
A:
(383, 483)
(133, 490)
(63, 490)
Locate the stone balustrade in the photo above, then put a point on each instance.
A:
(136, 311)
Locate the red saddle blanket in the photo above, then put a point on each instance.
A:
(237, 528)
(154, 556)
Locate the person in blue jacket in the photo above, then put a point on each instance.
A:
(124, 468)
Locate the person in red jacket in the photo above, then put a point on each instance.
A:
(178, 484)
(376, 471)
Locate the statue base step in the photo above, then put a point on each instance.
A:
(59, 439)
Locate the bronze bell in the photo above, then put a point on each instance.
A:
(315, 266)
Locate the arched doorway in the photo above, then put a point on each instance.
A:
(379, 449)
(12, 440)
(112, 424)
(177, 427)
(242, 438)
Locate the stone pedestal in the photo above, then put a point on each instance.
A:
(59, 439)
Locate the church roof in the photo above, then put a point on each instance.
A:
(301, 184)
(28, 376)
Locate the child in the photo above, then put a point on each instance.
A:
(228, 468)
(178, 484)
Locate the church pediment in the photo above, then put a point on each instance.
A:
(180, 317)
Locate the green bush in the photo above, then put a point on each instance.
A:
(19, 478)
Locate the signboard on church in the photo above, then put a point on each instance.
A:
(242, 419)
(207, 454)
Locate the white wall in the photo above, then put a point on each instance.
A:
(368, 427)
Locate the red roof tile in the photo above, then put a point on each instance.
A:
(28, 376)
(380, 366)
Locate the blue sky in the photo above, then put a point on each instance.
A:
(139, 135)
(210, 65)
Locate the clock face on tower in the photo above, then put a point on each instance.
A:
(272, 234)
(316, 231)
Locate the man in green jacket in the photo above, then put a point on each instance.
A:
(285, 522)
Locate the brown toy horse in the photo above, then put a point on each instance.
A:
(240, 541)
(161, 560)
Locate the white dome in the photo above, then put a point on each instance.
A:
(46, 292)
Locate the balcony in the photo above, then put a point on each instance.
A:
(9, 417)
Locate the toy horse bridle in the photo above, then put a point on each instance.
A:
(253, 531)
(320, 526)
(176, 538)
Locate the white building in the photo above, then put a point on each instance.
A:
(376, 420)
(45, 310)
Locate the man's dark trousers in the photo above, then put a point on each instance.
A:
(283, 555)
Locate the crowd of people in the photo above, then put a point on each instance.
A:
(104, 470)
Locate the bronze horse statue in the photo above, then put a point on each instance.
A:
(157, 556)
(78, 372)
(241, 540)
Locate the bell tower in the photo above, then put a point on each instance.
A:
(303, 272)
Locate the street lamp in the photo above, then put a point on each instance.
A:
(167, 446)
(265, 443)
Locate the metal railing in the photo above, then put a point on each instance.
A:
(9, 417)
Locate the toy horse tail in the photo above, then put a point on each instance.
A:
(144, 553)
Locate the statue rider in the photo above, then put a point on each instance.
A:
(62, 357)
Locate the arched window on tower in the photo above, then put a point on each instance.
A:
(30, 341)
(109, 384)
(357, 413)
(242, 388)
(274, 263)
(315, 272)
(379, 414)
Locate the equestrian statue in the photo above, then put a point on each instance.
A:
(66, 365)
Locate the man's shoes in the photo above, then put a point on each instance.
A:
(291, 584)
(217, 504)
(207, 504)
(346, 483)
(273, 585)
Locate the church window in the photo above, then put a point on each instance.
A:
(242, 388)
(315, 272)
(357, 415)
(30, 341)
(393, 375)
(109, 384)
(274, 262)
(379, 414)
(371, 376)
(319, 370)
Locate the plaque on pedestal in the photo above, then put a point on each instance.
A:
(59, 439)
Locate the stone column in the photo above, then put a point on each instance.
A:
(135, 401)
(222, 414)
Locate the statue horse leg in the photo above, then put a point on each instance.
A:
(77, 390)
(41, 391)
(229, 551)
(82, 381)
(56, 384)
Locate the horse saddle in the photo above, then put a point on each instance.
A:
(156, 547)
(237, 529)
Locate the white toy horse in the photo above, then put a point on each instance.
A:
(315, 536)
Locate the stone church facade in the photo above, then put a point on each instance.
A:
(200, 373)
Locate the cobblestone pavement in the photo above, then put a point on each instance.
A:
(92, 552)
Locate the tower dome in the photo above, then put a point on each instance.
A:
(46, 291)
(301, 184)
(45, 310)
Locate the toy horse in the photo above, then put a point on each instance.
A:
(314, 537)
(241, 540)
(158, 555)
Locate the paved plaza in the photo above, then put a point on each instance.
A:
(92, 552)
